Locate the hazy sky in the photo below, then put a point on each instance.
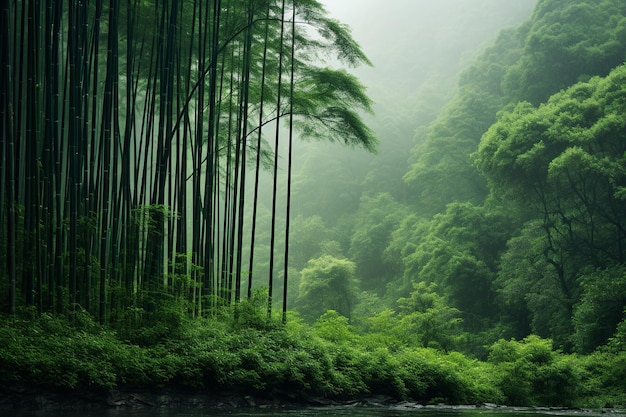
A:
(404, 37)
(379, 25)
(389, 19)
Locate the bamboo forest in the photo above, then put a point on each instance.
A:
(312, 202)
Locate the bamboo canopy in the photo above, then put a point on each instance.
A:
(132, 138)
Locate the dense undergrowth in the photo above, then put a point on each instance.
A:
(328, 359)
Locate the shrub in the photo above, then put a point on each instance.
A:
(431, 376)
(530, 372)
(602, 379)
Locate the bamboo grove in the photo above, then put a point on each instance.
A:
(133, 134)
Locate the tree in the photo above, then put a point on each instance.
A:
(601, 307)
(327, 283)
(532, 293)
(427, 319)
(309, 235)
(565, 161)
(377, 217)
(566, 42)
(459, 252)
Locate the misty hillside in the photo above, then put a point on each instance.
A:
(502, 240)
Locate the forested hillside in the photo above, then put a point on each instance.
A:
(168, 190)
(511, 208)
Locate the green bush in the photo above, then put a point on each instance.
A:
(380, 373)
(530, 372)
(431, 376)
(602, 379)
(328, 359)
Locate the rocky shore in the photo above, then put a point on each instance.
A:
(21, 397)
(41, 398)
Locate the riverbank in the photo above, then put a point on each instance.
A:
(24, 398)
(50, 361)
(21, 397)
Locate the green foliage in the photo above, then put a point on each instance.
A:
(327, 283)
(531, 151)
(426, 320)
(556, 168)
(566, 42)
(565, 160)
(377, 217)
(459, 251)
(308, 236)
(435, 377)
(326, 102)
(155, 316)
(369, 304)
(380, 373)
(441, 171)
(54, 352)
(601, 307)
(532, 291)
(333, 327)
(514, 212)
(401, 252)
(328, 359)
(602, 375)
(530, 372)
(617, 343)
(423, 320)
(251, 312)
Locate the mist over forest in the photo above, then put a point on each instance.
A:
(314, 201)
(417, 50)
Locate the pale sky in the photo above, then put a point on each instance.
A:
(402, 36)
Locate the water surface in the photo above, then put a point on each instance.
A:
(347, 411)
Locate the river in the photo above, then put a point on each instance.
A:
(349, 411)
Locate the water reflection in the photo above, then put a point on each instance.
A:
(353, 411)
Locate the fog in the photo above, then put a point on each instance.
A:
(418, 48)
(411, 41)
